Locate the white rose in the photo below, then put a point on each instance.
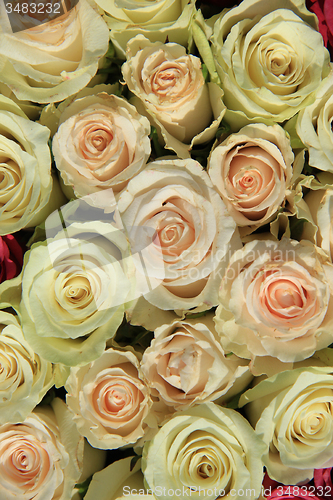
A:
(109, 400)
(27, 192)
(210, 450)
(73, 292)
(320, 203)
(101, 143)
(314, 127)
(25, 377)
(186, 365)
(172, 92)
(270, 60)
(292, 412)
(275, 300)
(41, 457)
(54, 60)
(252, 171)
(188, 226)
(158, 20)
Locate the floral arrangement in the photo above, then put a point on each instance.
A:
(166, 246)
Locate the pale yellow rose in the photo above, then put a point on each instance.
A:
(270, 60)
(252, 171)
(25, 376)
(210, 450)
(31, 110)
(171, 91)
(73, 292)
(293, 415)
(276, 300)
(158, 20)
(50, 62)
(28, 194)
(320, 205)
(109, 399)
(186, 365)
(118, 481)
(101, 143)
(184, 230)
(314, 127)
(41, 457)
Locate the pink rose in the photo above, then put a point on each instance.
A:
(11, 257)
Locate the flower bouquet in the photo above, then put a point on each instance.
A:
(166, 246)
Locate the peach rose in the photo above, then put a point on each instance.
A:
(54, 60)
(41, 457)
(170, 89)
(109, 400)
(252, 170)
(275, 300)
(101, 143)
(185, 365)
(189, 227)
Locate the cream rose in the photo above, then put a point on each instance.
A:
(73, 292)
(320, 204)
(185, 365)
(54, 60)
(24, 376)
(207, 447)
(314, 127)
(101, 143)
(109, 400)
(118, 480)
(156, 20)
(270, 60)
(275, 300)
(171, 90)
(41, 457)
(252, 171)
(25, 171)
(293, 414)
(189, 233)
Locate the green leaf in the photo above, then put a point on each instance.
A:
(296, 227)
(196, 315)
(159, 150)
(83, 487)
(224, 128)
(134, 461)
(205, 72)
(205, 51)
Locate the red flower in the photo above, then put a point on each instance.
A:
(323, 482)
(11, 257)
(324, 11)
